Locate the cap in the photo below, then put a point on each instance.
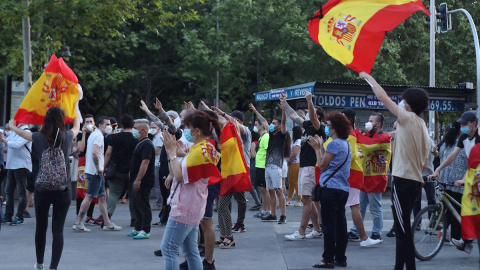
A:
(237, 114)
(448, 127)
(141, 121)
(349, 113)
(113, 121)
(173, 114)
(467, 117)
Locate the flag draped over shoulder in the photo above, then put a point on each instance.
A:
(471, 197)
(352, 31)
(235, 173)
(202, 162)
(57, 87)
(377, 152)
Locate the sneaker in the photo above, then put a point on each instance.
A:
(91, 222)
(353, 238)
(158, 253)
(112, 227)
(418, 227)
(309, 228)
(314, 234)
(298, 204)
(269, 218)
(295, 236)
(158, 224)
(258, 215)
(80, 227)
(462, 245)
(255, 208)
(208, 266)
(288, 204)
(283, 220)
(6, 220)
(376, 237)
(141, 235)
(391, 233)
(16, 221)
(38, 266)
(239, 228)
(133, 233)
(369, 242)
(26, 214)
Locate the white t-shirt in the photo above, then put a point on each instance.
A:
(96, 138)
(157, 142)
(298, 143)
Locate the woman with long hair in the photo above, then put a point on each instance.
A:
(52, 135)
(294, 166)
(189, 189)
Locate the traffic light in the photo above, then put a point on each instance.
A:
(442, 17)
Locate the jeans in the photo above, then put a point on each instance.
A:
(143, 212)
(177, 235)
(16, 178)
(373, 199)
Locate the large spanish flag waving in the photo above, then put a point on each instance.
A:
(202, 162)
(352, 31)
(57, 87)
(471, 197)
(377, 153)
(235, 173)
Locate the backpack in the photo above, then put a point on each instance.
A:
(52, 175)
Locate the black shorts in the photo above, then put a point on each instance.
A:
(260, 177)
(30, 182)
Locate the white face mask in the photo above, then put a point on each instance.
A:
(177, 122)
(89, 127)
(402, 104)
(8, 132)
(152, 131)
(108, 129)
(255, 129)
(368, 126)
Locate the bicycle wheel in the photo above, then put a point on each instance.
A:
(428, 234)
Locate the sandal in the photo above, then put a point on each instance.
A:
(219, 241)
(323, 264)
(228, 242)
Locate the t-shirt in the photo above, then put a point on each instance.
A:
(143, 150)
(79, 138)
(341, 151)
(429, 169)
(308, 158)
(40, 144)
(275, 149)
(411, 146)
(123, 144)
(157, 142)
(246, 136)
(262, 151)
(96, 138)
(298, 143)
(466, 142)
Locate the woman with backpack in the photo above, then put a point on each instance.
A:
(52, 144)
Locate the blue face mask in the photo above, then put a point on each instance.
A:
(188, 135)
(327, 131)
(135, 133)
(465, 130)
(271, 127)
(307, 117)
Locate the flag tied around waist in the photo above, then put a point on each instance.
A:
(202, 162)
(471, 197)
(235, 173)
(57, 87)
(377, 153)
(352, 31)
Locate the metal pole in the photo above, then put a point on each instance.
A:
(27, 52)
(217, 98)
(431, 83)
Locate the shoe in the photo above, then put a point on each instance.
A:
(288, 204)
(323, 264)
(309, 228)
(124, 200)
(158, 224)
(418, 227)
(314, 234)
(369, 242)
(133, 233)
(462, 245)
(132, 222)
(376, 237)
(92, 222)
(38, 266)
(342, 264)
(255, 208)
(183, 265)
(239, 228)
(258, 215)
(298, 204)
(80, 227)
(219, 241)
(99, 219)
(156, 208)
(228, 242)
(6, 220)
(141, 235)
(16, 221)
(353, 238)
(26, 214)
(269, 218)
(282, 220)
(201, 251)
(158, 253)
(295, 236)
(208, 266)
(112, 227)
(391, 233)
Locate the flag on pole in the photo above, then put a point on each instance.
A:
(57, 87)
(202, 162)
(471, 197)
(352, 31)
(235, 173)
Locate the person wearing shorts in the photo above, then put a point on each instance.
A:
(260, 156)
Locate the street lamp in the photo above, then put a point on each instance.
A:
(66, 52)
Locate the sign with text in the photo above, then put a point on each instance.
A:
(292, 93)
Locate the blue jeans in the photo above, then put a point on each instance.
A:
(177, 234)
(375, 201)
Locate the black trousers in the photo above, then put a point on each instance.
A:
(143, 212)
(429, 192)
(403, 197)
(163, 215)
(61, 203)
(456, 227)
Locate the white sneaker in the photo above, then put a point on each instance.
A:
(370, 242)
(80, 227)
(314, 234)
(295, 236)
(112, 227)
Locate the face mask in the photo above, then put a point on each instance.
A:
(271, 127)
(177, 122)
(108, 129)
(255, 129)
(307, 117)
(152, 131)
(188, 135)
(135, 133)
(402, 104)
(368, 126)
(89, 127)
(465, 130)
(8, 132)
(327, 131)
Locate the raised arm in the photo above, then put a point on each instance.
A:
(289, 111)
(260, 118)
(312, 112)
(223, 118)
(380, 93)
(283, 127)
(76, 126)
(164, 116)
(151, 116)
(27, 135)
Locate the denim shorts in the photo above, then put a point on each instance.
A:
(96, 186)
(213, 191)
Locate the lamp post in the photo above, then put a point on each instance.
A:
(431, 83)
(27, 52)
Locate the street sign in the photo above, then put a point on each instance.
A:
(291, 93)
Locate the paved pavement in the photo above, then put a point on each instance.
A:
(261, 247)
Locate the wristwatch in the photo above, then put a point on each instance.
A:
(171, 158)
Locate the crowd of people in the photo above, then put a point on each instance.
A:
(154, 155)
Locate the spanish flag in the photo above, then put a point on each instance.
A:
(352, 31)
(57, 87)
(471, 197)
(377, 153)
(202, 162)
(235, 173)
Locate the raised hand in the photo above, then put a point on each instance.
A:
(205, 106)
(308, 96)
(143, 106)
(251, 107)
(158, 105)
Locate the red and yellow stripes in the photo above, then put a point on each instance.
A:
(201, 163)
(471, 197)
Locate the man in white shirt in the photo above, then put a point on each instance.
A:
(94, 169)
(19, 164)
(158, 144)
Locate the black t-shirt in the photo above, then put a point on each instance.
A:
(123, 145)
(79, 138)
(143, 150)
(308, 157)
(163, 152)
(275, 149)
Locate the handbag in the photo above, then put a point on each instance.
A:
(317, 190)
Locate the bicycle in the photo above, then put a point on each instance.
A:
(429, 226)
